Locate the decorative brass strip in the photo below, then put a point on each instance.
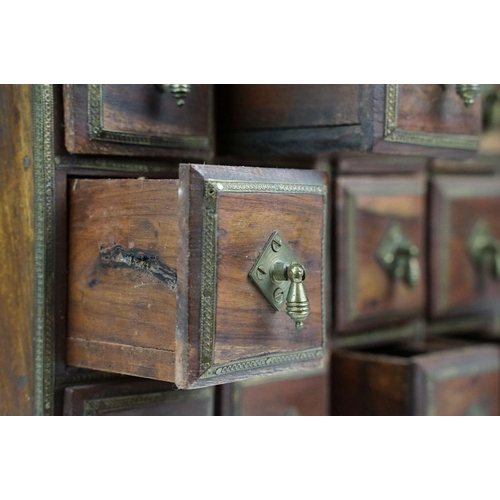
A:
(98, 132)
(140, 166)
(44, 181)
(95, 407)
(208, 306)
(430, 139)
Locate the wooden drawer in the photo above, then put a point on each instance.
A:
(303, 394)
(137, 398)
(139, 120)
(163, 273)
(434, 378)
(424, 120)
(380, 251)
(465, 244)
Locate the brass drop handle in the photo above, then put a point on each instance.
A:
(178, 90)
(277, 273)
(297, 303)
(468, 92)
(484, 248)
(398, 256)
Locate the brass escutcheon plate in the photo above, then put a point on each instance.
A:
(274, 250)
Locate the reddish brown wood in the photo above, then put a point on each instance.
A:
(303, 394)
(17, 251)
(139, 109)
(436, 377)
(137, 398)
(122, 319)
(366, 296)
(457, 203)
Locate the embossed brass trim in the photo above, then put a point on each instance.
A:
(98, 132)
(435, 140)
(212, 188)
(96, 407)
(44, 182)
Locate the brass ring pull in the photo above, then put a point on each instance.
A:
(484, 249)
(178, 90)
(398, 257)
(277, 273)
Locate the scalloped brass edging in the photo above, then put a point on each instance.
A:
(98, 132)
(212, 189)
(429, 139)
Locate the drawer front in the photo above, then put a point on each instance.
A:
(191, 281)
(137, 398)
(380, 241)
(431, 378)
(465, 232)
(290, 395)
(465, 382)
(145, 120)
(427, 119)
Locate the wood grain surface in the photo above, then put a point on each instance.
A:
(122, 317)
(366, 207)
(16, 250)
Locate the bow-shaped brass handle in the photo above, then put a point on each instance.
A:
(398, 256)
(484, 248)
(277, 273)
(178, 90)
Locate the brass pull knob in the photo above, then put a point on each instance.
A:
(484, 249)
(468, 92)
(277, 273)
(398, 257)
(178, 90)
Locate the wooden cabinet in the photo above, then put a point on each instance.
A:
(163, 274)
(140, 120)
(426, 120)
(436, 377)
(380, 243)
(300, 394)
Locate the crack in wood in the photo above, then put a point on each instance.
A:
(139, 260)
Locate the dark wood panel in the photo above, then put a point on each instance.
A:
(303, 394)
(17, 251)
(366, 209)
(137, 398)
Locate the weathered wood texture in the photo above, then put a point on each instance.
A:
(17, 250)
(122, 302)
(144, 111)
(436, 377)
(246, 324)
(458, 203)
(366, 207)
(137, 398)
(303, 394)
